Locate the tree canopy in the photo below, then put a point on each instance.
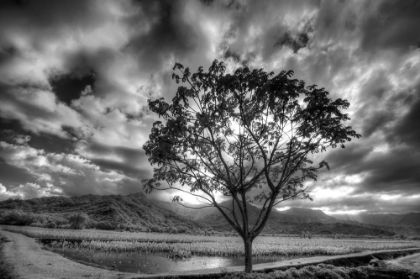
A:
(245, 135)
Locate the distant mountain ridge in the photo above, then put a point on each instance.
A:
(137, 212)
(291, 221)
(405, 220)
(308, 215)
(134, 211)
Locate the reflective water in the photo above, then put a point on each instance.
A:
(153, 262)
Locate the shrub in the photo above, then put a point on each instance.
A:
(156, 228)
(173, 230)
(182, 229)
(106, 225)
(18, 218)
(78, 220)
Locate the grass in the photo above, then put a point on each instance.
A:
(105, 235)
(234, 248)
(210, 245)
(6, 271)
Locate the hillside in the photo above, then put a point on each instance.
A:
(293, 221)
(134, 211)
(304, 215)
(397, 220)
(410, 219)
(137, 212)
(293, 215)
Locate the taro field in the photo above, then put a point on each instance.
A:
(192, 245)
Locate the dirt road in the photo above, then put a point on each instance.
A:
(31, 262)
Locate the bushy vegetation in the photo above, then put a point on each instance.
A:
(78, 221)
(326, 271)
(21, 218)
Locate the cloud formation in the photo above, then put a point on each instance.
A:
(75, 77)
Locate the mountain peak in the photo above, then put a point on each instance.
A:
(306, 212)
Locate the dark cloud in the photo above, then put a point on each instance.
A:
(395, 170)
(51, 143)
(230, 54)
(75, 77)
(231, 4)
(13, 176)
(36, 109)
(406, 130)
(168, 34)
(384, 170)
(392, 26)
(12, 132)
(273, 32)
(127, 170)
(376, 121)
(69, 87)
(88, 68)
(345, 159)
(44, 20)
(128, 161)
(295, 43)
(338, 20)
(18, 96)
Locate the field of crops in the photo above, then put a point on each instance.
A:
(101, 235)
(207, 245)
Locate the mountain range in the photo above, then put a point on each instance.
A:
(134, 211)
(405, 220)
(137, 212)
(291, 221)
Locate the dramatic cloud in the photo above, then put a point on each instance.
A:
(75, 77)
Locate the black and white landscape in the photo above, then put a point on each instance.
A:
(76, 77)
(260, 120)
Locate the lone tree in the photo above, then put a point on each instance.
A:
(245, 136)
(78, 220)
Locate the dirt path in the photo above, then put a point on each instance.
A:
(411, 262)
(31, 262)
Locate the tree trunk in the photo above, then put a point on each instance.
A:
(248, 255)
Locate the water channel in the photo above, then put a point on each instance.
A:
(150, 263)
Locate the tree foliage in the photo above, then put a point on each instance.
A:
(78, 220)
(245, 135)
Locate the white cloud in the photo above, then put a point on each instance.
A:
(320, 193)
(28, 191)
(68, 173)
(131, 52)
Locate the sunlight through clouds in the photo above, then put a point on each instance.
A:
(85, 135)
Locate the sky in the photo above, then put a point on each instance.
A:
(75, 77)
